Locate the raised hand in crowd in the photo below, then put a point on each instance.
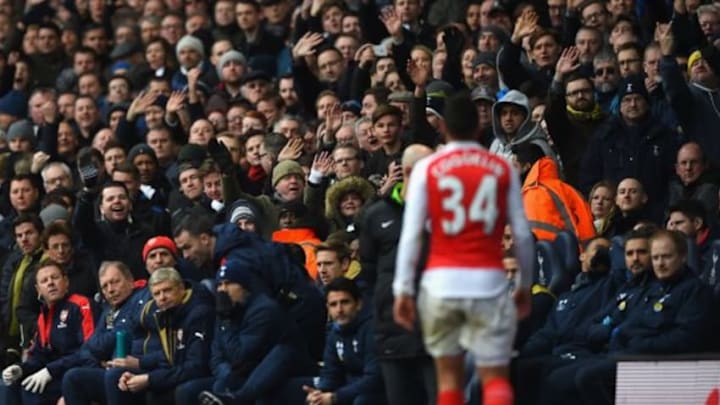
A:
(665, 37)
(139, 104)
(292, 150)
(49, 111)
(392, 22)
(419, 76)
(365, 56)
(322, 163)
(39, 160)
(394, 175)
(306, 45)
(567, 63)
(525, 26)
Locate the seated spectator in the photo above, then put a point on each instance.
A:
(689, 218)
(344, 200)
(78, 265)
(631, 208)
(254, 346)
(695, 180)
(176, 314)
(18, 297)
(513, 126)
(123, 302)
(333, 261)
(64, 324)
(602, 204)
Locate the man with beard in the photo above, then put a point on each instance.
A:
(606, 78)
(571, 115)
(632, 145)
(230, 69)
(18, 298)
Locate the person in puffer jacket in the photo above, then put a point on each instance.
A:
(64, 324)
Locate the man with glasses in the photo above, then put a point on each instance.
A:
(347, 161)
(572, 115)
(629, 60)
(605, 78)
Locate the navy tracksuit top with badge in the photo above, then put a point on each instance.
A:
(673, 316)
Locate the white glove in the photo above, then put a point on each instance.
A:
(11, 374)
(36, 383)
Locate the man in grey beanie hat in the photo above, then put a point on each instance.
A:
(231, 56)
(189, 42)
(54, 212)
(20, 136)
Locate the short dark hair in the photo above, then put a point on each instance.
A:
(56, 228)
(194, 225)
(27, 217)
(343, 284)
(341, 251)
(575, 76)
(641, 233)
(527, 152)
(692, 209)
(112, 184)
(461, 116)
(128, 167)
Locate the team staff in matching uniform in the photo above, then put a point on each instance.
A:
(64, 324)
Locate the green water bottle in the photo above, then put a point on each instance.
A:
(121, 344)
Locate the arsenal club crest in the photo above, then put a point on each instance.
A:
(63, 319)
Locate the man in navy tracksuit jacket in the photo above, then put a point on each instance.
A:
(563, 334)
(255, 347)
(64, 324)
(178, 323)
(269, 265)
(673, 315)
(350, 373)
(124, 299)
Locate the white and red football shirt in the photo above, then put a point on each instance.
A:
(469, 195)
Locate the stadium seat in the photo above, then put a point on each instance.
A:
(617, 252)
(566, 246)
(549, 270)
(693, 255)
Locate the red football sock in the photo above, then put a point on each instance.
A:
(497, 391)
(450, 397)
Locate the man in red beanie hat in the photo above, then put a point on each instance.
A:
(161, 251)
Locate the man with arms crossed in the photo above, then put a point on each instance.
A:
(469, 195)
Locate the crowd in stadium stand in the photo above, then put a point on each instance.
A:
(201, 200)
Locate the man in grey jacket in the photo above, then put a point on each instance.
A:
(513, 126)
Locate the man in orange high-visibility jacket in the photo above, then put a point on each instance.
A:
(551, 205)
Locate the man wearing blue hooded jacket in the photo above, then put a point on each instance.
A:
(255, 348)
